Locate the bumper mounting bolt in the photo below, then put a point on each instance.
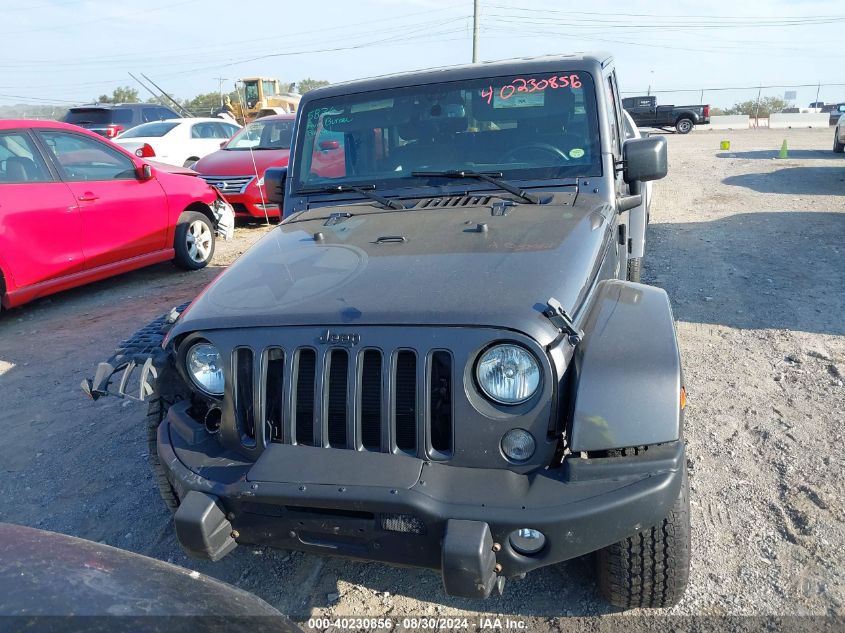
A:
(498, 568)
(255, 486)
(230, 516)
(235, 534)
(394, 492)
(302, 488)
(497, 547)
(292, 534)
(341, 489)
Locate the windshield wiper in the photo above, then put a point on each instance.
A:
(364, 190)
(493, 177)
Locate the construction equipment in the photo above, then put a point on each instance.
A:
(261, 96)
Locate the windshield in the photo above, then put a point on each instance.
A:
(530, 127)
(149, 130)
(263, 134)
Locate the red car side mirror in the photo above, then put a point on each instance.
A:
(144, 172)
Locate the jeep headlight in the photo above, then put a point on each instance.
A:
(205, 368)
(508, 374)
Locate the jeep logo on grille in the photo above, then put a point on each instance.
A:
(330, 337)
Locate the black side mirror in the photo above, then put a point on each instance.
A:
(644, 159)
(274, 184)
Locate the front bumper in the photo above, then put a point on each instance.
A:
(402, 510)
(249, 204)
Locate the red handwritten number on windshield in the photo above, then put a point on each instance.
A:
(520, 85)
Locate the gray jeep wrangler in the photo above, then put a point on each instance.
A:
(438, 358)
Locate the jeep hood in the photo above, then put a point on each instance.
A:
(415, 267)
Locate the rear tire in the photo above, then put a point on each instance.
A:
(651, 568)
(837, 146)
(156, 411)
(194, 241)
(635, 266)
(684, 126)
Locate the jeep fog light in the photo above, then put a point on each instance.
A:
(205, 369)
(508, 374)
(527, 540)
(518, 445)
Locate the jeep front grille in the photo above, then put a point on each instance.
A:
(347, 398)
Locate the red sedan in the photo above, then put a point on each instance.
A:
(237, 170)
(75, 208)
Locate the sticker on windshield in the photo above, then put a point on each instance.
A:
(368, 106)
(576, 152)
(534, 100)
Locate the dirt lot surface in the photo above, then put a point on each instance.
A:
(752, 253)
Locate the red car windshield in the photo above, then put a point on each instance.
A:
(262, 134)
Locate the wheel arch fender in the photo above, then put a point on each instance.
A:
(201, 207)
(628, 376)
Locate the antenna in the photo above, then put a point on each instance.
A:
(169, 98)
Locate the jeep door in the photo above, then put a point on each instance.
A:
(40, 223)
(122, 217)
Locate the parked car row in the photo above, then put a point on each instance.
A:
(76, 207)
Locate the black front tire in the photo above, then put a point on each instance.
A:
(194, 241)
(156, 410)
(651, 568)
(635, 268)
(837, 146)
(684, 126)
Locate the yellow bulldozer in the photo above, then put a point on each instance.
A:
(261, 96)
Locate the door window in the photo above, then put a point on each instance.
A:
(614, 122)
(86, 159)
(204, 130)
(20, 161)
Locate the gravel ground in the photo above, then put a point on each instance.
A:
(750, 250)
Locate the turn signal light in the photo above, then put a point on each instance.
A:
(145, 151)
(683, 398)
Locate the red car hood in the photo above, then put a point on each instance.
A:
(238, 162)
(172, 169)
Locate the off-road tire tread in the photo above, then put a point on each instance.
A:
(156, 410)
(651, 568)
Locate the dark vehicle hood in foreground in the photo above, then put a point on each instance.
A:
(445, 272)
(45, 574)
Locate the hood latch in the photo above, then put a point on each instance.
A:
(562, 321)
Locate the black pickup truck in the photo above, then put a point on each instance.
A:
(646, 113)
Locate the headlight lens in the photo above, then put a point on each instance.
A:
(205, 368)
(508, 374)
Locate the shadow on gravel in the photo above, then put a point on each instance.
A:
(764, 270)
(795, 180)
(794, 154)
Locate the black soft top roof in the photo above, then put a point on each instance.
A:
(553, 63)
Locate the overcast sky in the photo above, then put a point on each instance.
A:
(73, 50)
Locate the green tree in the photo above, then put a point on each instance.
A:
(121, 94)
(304, 85)
(764, 108)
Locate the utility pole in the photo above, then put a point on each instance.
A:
(475, 31)
(220, 81)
